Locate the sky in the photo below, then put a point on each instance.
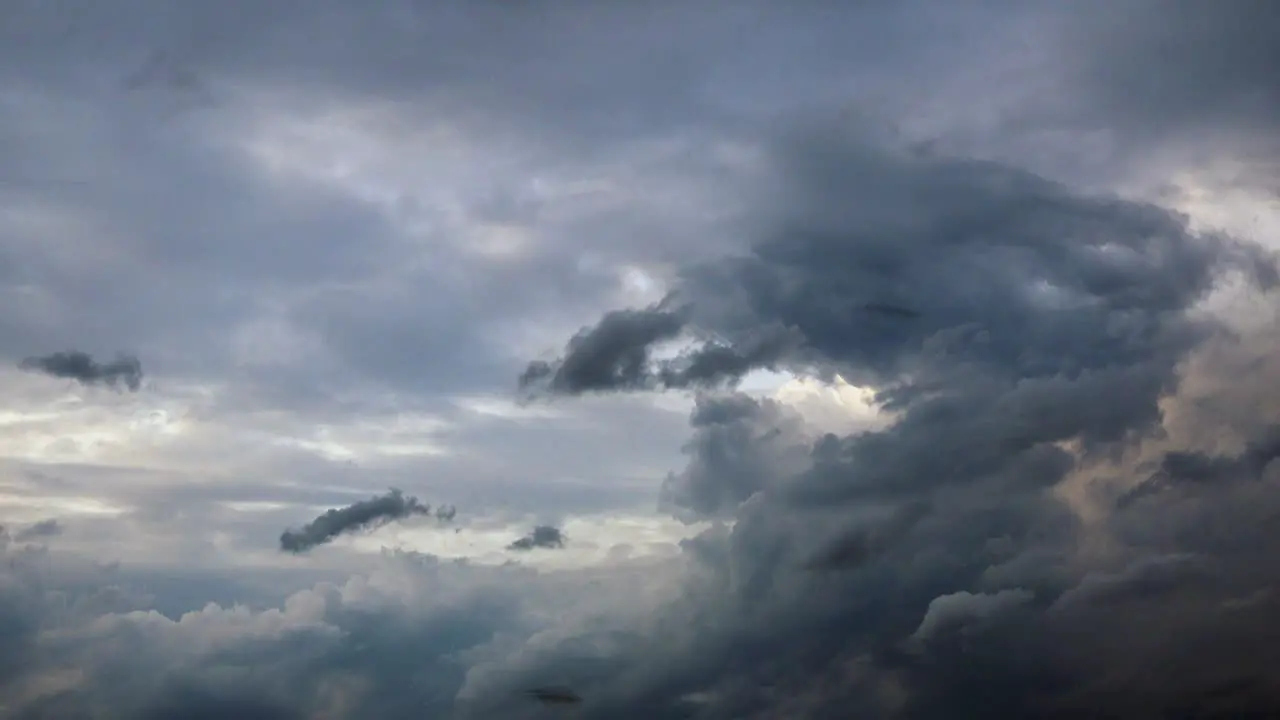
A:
(728, 361)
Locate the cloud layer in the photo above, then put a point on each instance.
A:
(900, 360)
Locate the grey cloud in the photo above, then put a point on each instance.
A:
(358, 516)
(36, 531)
(1046, 327)
(612, 355)
(543, 537)
(387, 646)
(1144, 580)
(555, 696)
(211, 705)
(1006, 268)
(1193, 74)
(1050, 327)
(1188, 469)
(740, 446)
(81, 367)
(951, 610)
(862, 544)
(616, 355)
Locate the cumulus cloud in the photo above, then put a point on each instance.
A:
(955, 609)
(543, 537)
(1053, 326)
(1066, 506)
(383, 642)
(356, 517)
(81, 367)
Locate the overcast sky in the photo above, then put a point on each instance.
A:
(714, 360)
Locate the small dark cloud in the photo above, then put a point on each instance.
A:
(616, 355)
(359, 516)
(80, 366)
(541, 537)
(612, 355)
(43, 529)
(554, 695)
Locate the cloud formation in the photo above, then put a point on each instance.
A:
(1053, 330)
(39, 530)
(75, 365)
(357, 517)
(542, 537)
(340, 231)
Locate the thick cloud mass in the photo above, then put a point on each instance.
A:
(358, 516)
(947, 576)
(900, 360)
(1016, 277)
(81, 367)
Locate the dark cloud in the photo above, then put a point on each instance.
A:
(357, 517)
(36, 531)
(1008, 270)
(81, 367)
(1050, 327)
(612, 355)
(1182, 469)
(1020, 334)
(383, 646)
(554, 695)
(544, 537)
(1195, 75)
(740, 446)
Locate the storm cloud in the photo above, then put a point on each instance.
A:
(356, 517)
(906, 360)
(80, 366)
(545, 537)
(1053, 324)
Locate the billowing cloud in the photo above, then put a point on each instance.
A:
(949, 611)
(339, 232)
(356, 517)
(1053, 327)
(81, 367)
(544, 537)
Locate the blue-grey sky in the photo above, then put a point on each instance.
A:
(781, 359)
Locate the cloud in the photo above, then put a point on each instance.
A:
(554, 696)
(541, 537)
(379, 642)
(1053, 328)
(1214, 93)
(43, 529)
(339, 232)
(740, 446)
(357, 517)
(81, 367)
(958, 608)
